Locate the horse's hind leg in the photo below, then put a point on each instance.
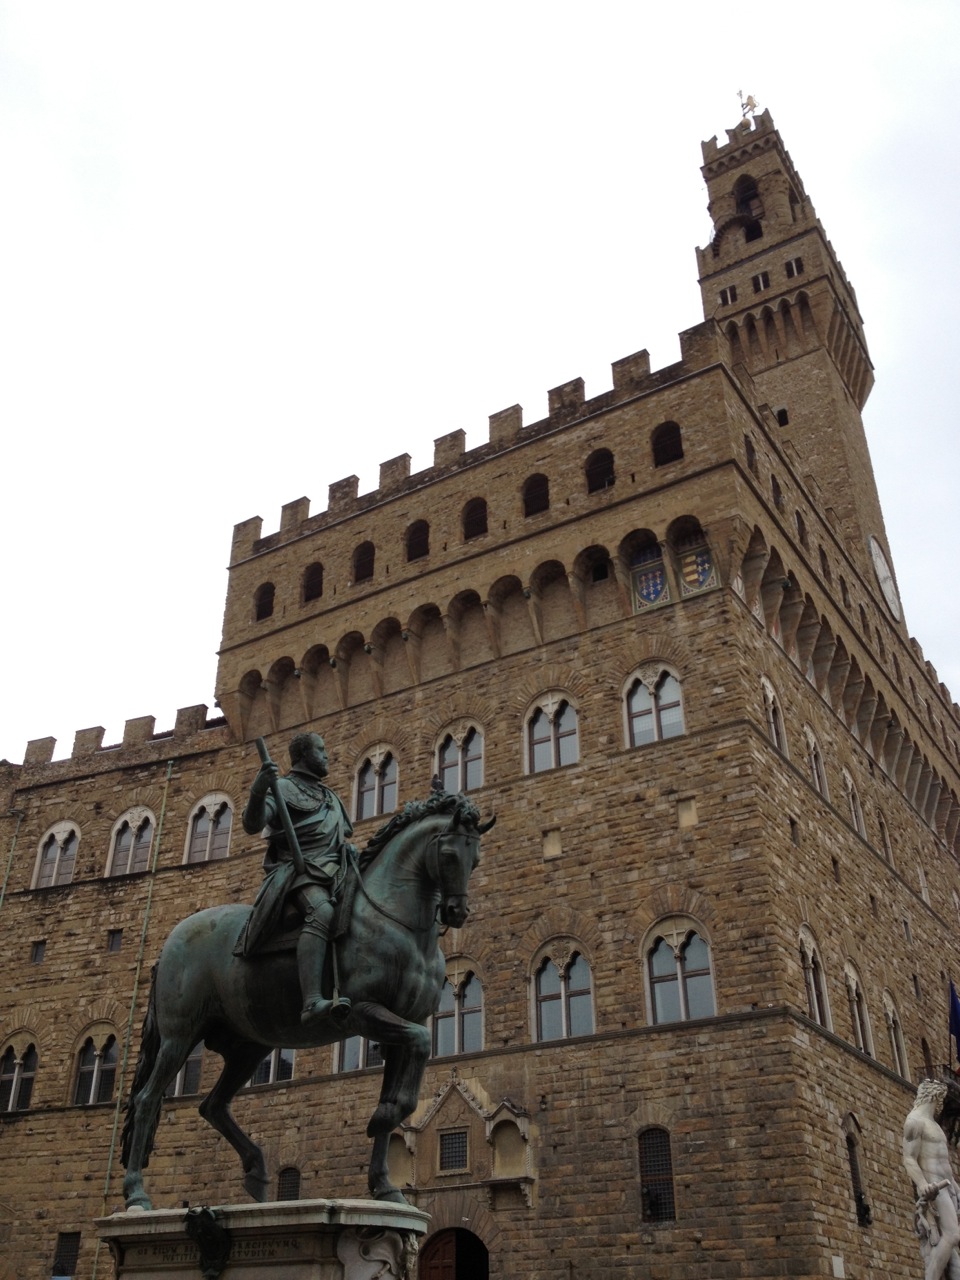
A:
(240, 1060)
(145, 1108)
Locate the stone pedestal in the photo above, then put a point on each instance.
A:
(285, 1240)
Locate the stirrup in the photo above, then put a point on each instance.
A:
(318, 1008)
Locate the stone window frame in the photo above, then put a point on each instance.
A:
(562, 952)
(600, 470)
(666, 443)
(535, 494)
(773, 711)
(289, 1182)
(677, 930)
(551, 703)
(15, 1053)
(458, 732)
(90, 1072)
(461, 970)
(416, 541)
(60, 832)
(814, 978)
(853, 803)
(651, 676)
(859, 1013)
(886, 847)
(66, 1255)
(134, 819)
(656, 1180)
(379, 757)
(817, 772)
(363, 562)
(264, 601)
(852, 1132)
(898, 1045)
(474, 519)
(311, 582)
(213, 803)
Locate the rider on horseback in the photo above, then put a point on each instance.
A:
(321, 826)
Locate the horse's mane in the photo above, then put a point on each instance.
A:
(465, 811)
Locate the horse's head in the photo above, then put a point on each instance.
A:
(458, 852)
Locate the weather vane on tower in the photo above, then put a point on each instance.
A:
(748, 104)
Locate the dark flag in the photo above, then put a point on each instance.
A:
(955, 1018)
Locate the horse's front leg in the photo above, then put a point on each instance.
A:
(406, 1047)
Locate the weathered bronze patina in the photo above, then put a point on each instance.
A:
(411, 879)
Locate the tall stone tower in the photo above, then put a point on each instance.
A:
(657, 632)
(771, 279)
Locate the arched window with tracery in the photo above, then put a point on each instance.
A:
(885, 845)
(599, 470)
(377, 785)
(460, 761)
(853, 804)
(458, 1022)
(657, 1200)
(17, 1074)
(666, 444)
(859, 1017)
(474, 519)
(679, 972)
(552, 735)
(311, 586)
(564, 999)
(654, 707)
(263, 601)
(774, 716)
(418, 540)
(898, 1047)
(536, 495)
(131, 844)
(208, 836)
(816, 989)
(57, 856)
(363, 559)
(818, 774)
(96, 1071)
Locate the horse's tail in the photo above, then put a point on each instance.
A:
(149, 1048)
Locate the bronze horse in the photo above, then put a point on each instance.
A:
(413, 879)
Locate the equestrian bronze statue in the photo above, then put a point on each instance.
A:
(227, 976)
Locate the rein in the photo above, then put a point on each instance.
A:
(411, 928)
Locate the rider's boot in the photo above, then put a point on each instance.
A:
(311, 954)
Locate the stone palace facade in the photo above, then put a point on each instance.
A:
(658, 634)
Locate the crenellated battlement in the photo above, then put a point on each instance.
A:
(140, 738)
(700, 347)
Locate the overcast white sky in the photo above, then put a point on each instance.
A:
(235, 234)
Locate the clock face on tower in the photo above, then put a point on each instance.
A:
(885, 578)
